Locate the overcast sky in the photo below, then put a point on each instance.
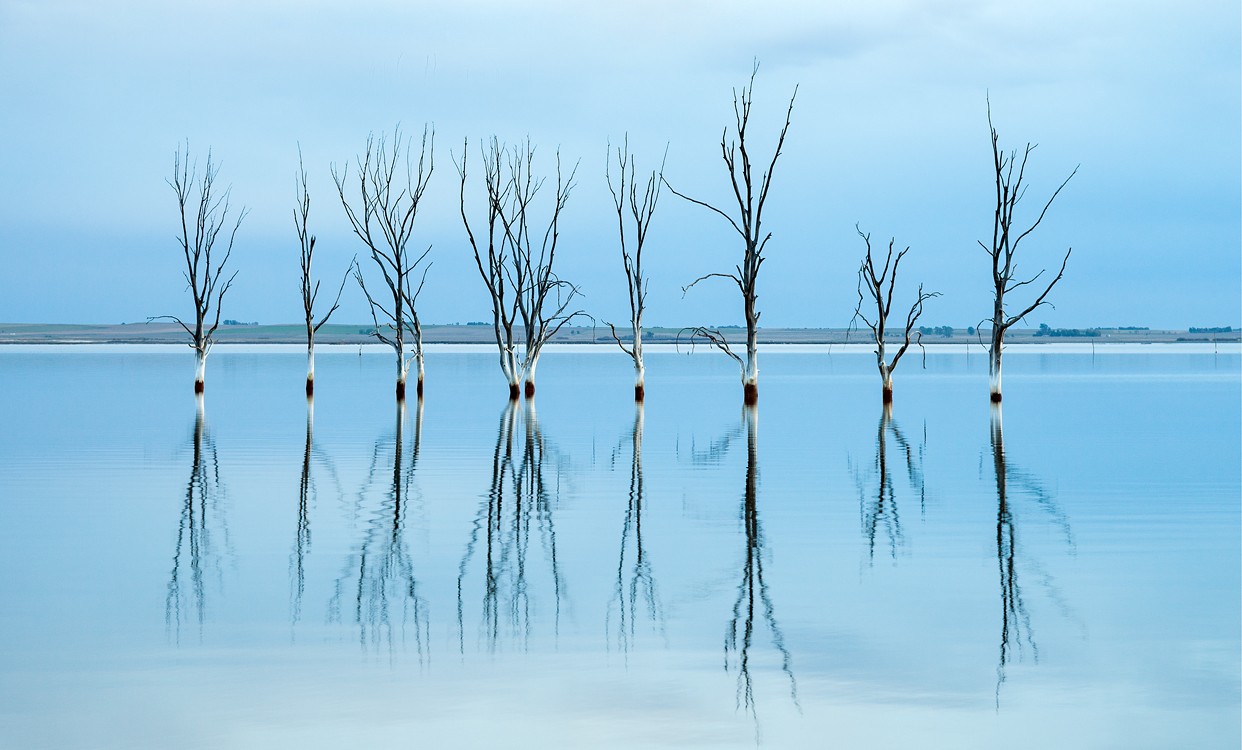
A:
(889, 131)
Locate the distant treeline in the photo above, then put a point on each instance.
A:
(1217, 329)
(1044, 330)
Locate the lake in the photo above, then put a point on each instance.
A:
(577, 572)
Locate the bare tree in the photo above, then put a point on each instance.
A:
(748, 224)
(516, 261)
(625, 198)
(204, 214)
(1006, 236)
(310, 288)
(383, 218)
(879, 291)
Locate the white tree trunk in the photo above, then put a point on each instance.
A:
(532, 360)
(750, 374)
(403, 371)
(419, 387)
(994, 362)
(640, 390)
(200, 370)
(310, 369)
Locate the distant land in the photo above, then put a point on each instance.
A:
(478, 333)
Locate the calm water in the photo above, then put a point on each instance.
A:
(579, 574)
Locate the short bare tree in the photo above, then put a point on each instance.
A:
(204, 215)
(751, 199)
(1010, 170)
(627, 200)
(310, 287)
(878, 284)
(390, 189)
(516, 262)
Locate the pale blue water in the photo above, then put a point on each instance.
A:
(809, 575)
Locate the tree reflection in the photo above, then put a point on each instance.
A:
(307, 491)
(195, 555)
(1016, 636)
(752, 588)
(878, 508)
(518, 506)
(379, 576)
(635, 580)
(302, 541)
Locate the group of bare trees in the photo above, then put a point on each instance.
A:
(515, 237)
(515, 256)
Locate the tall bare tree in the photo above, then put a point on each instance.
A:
(516, 259)
(626, 199)
(390, 188)
(879, 285)
(204, 215)
(310, 287)
(751, 199)
(1006, 237)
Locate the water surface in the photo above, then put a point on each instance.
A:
(579, 572)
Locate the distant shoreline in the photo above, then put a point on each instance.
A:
(170, 333)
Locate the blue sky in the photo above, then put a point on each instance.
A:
(889, 130)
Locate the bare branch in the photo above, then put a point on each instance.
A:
(713, 337)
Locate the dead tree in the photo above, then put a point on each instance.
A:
(625, 198)
(204, 215)
(383, 218)
(516, 261)
(879, 286)
(749, 226)
(310, 288)
(1006, 237)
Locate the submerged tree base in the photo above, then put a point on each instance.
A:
(514, 392)
(639, 393)
(530, 389)
(996, 397)
(198, 386)
(750, 394)
(310, 387)
(400, 390)
(419, 389)
(888, 396)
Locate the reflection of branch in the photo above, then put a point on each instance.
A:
(641, 583)
(752, 574)
(381, 567)
(517, 494)
(715, 450)
(194, 550)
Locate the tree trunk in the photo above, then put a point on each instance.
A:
(750, 379)
(200, 370)
(419, 387)
(886, 373)
(402, 371)
(639, 389)
(994, 361)
(310, 369)
(529, 390)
